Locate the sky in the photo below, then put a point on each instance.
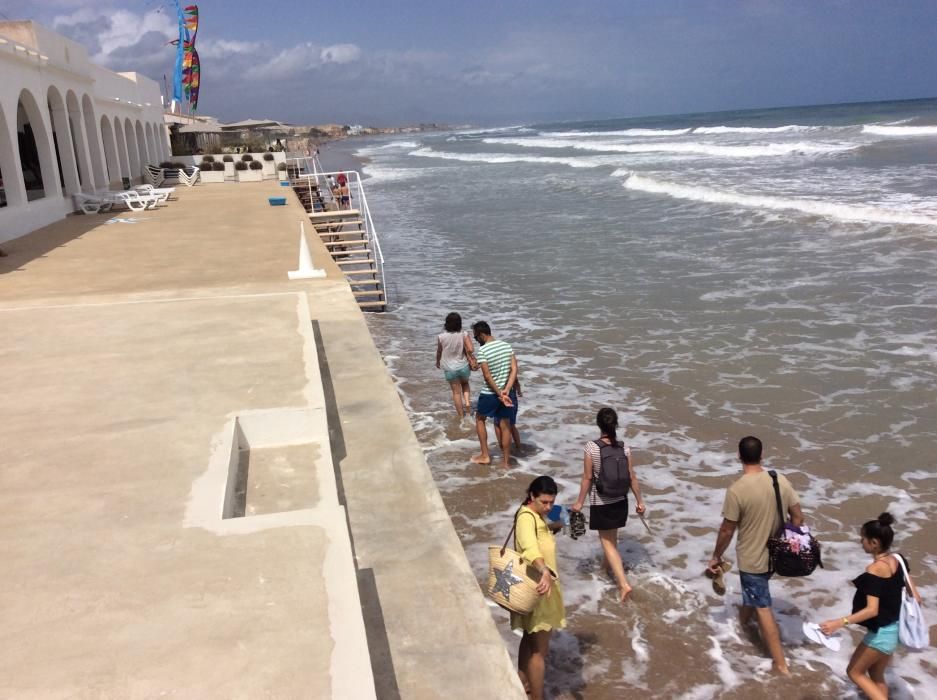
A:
(381, 63)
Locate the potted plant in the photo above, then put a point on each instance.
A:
(246, 174)
(228, 165)
(211, 171)
(247, 158)
(269, 166)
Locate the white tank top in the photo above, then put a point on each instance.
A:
(453, 351)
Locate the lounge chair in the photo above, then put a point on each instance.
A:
(132, 200)
(164, 193)
(155, 176)
(92, 203)
(189, 180)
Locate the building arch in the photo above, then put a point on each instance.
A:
(141, 148)
(111, 160)
(133, 153)
(77, 131)
(62, 142)
(122, 162)
(151, 156)
(37, 160)
(95, 143)
(12, 191)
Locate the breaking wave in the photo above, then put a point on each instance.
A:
(691, 148)
(622, 132)
(754, 129)
(880, 130)
(842, 212)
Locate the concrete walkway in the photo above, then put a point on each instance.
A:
(212, 489)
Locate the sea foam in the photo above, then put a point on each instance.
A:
(691, 148)
(843, 212)
(882, 130)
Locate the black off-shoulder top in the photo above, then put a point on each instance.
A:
(888, 592)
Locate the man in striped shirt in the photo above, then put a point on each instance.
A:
(499, 368)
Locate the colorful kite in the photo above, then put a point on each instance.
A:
(188, 68)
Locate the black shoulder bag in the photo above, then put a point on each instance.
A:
(791, 557)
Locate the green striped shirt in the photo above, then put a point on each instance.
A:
(497, 355)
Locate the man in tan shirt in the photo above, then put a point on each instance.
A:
(750, 509)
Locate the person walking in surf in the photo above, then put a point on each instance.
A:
(751, 509)
(496, 398)
(608, 507)
(877, 607)
(455, 356)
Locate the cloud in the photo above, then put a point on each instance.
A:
(302, 58)
(121, 39)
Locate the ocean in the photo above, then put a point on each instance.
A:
(710, 276)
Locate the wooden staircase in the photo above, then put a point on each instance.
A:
(344, 234)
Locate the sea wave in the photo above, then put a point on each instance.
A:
(883, 130)
(691, 148)
(374, 150)
(755, 129)
(498, 158)
(622, 132)
(834, 210)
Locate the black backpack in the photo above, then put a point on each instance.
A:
(614, 477)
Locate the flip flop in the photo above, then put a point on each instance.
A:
(813, 632)
(719, 584)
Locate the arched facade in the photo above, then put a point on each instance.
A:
(141, 148)
(67, 126)
(95, 143)
(62, 142)
(38, 168)
(79, 141)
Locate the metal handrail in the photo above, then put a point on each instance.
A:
(303, 163)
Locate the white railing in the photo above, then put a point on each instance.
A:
(308, 171)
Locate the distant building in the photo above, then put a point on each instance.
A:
(66, 126)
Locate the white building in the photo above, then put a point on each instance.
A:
(66, 126)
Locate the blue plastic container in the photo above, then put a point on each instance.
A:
(277, 201)
(284, 183)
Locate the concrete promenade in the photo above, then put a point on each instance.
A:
(211, 487)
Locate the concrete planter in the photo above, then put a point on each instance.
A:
(250, 175)
(229, 169)
(270, 169)
(212, 175)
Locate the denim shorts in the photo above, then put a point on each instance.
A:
(884, 639)
(755, 592)
(457, 375)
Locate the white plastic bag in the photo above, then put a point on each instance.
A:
(913, 631)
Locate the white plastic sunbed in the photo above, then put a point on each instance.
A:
(164, 193)
(132, 200)
(92, 203)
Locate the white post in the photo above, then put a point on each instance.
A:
(306, 270)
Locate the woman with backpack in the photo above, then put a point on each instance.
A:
(877, 607)
(607, 476)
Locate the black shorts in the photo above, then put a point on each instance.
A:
(608, 517)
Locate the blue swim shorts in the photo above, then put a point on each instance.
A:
(457, 375)
(490, 407)
(755, 592)
(884, 639)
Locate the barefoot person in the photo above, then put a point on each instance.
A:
(535, 543)
(877, 607)
(454, 355)
(751, 508)
(498, 365)
(608, 507)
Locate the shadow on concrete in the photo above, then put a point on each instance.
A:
(24, 249)
(382, 664)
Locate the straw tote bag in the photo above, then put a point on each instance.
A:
(512, 583)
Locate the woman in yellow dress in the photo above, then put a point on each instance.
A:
(534, 541)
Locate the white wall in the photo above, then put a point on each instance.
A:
(39, 67)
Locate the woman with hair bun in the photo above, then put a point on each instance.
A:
(534, 541)
(877, 607)
(608, 509)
